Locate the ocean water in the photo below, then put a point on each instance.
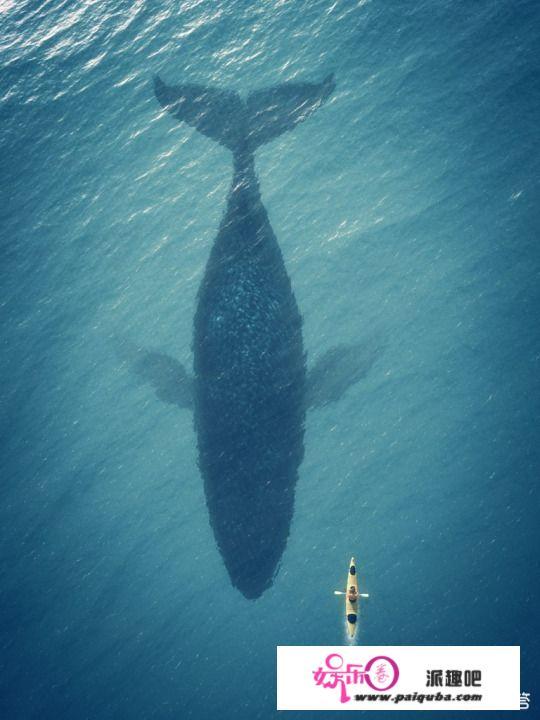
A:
(407, 213)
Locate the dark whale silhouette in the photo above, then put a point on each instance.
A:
(250, 389)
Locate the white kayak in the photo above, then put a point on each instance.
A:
(352, 597)
(351, 606)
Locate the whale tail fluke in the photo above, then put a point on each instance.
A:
(278, 109)
(224, 117)
(213, 112)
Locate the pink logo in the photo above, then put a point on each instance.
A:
(380, 673)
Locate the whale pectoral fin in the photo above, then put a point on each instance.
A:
(164, 374)
(337, 370)
(216, 113)
(275, 110)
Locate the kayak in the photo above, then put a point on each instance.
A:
(351, 608)
(352, 598)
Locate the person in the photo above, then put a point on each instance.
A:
(352, 594)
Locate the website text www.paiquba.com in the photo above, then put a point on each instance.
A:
(419, 697)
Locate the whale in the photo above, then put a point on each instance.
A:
(250, 388)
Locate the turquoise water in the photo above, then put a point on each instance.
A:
(406, 211)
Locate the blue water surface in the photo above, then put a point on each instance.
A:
(407, 213)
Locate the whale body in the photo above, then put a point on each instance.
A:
(250, 389)
(250, 378)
